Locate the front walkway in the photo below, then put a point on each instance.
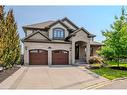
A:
(44, 77)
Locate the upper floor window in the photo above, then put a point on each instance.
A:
(58, 33)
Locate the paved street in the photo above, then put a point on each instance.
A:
(45, 77)
(119, 84)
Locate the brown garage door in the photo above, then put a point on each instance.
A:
(60, 57)
(38, 57)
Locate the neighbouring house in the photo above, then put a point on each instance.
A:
(58, 42)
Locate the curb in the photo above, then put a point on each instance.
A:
(90, 72)
(117, 79)
(98, 85)
(18, 80)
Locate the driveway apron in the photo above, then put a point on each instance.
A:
(61, 77)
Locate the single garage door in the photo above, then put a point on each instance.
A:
(60, 57)
(38, 57)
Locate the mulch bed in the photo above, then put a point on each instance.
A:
(6, 73)
(119, 68)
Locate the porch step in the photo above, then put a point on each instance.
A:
(80, 62)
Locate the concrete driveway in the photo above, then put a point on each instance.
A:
(45, 77)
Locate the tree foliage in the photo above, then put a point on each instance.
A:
(9, 39)
(116, 39)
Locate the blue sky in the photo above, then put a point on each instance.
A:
(93, 18)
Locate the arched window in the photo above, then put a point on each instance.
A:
(58, 33)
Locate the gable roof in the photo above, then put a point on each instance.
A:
(58, 21)
(34, 34)
(48, 24)
(81, 29)
(74, 33)
(66, 19)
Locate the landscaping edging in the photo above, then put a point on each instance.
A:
(84, 68)
(7, 72)
(117, 79)
(91, 73)
(10, 81)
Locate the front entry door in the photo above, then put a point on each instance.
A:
(77, 51)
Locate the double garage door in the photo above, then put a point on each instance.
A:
(40, 57)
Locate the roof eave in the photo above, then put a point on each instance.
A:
(25, 38)
(45, 41)
(96, 44)
(25, 27)
(91, 36)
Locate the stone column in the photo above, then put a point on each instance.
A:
(73, 53)
(87, 52)
(49, 57)
(26, 57)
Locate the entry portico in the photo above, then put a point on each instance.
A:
(81, 39)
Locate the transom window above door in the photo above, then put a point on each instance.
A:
(58, 33)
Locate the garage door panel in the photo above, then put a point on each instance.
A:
(60, 57)
(38, 58)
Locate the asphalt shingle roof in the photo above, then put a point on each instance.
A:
(41, 25)
(95, 43)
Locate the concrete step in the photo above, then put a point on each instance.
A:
(80, 61)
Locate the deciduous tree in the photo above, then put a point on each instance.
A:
(116, 39)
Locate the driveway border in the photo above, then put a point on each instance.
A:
(10, 81)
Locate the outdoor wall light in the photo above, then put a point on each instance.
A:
(70, 48)
(49, 47)
(76, 44)
(25, 47)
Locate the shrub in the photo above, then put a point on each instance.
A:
(96, 59)
(96, 62)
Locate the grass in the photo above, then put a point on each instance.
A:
(114, 64)
(110, 73)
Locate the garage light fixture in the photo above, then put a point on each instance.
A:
(70, 48)
(25, 47)
(49, 47)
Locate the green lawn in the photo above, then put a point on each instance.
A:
(110, 73)
(113, 63)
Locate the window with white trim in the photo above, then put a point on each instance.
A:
(58, 33)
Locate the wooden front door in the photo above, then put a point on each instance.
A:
(77, 52)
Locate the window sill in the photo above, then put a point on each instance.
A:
(58, 38)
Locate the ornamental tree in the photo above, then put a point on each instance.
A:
(116, 39)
